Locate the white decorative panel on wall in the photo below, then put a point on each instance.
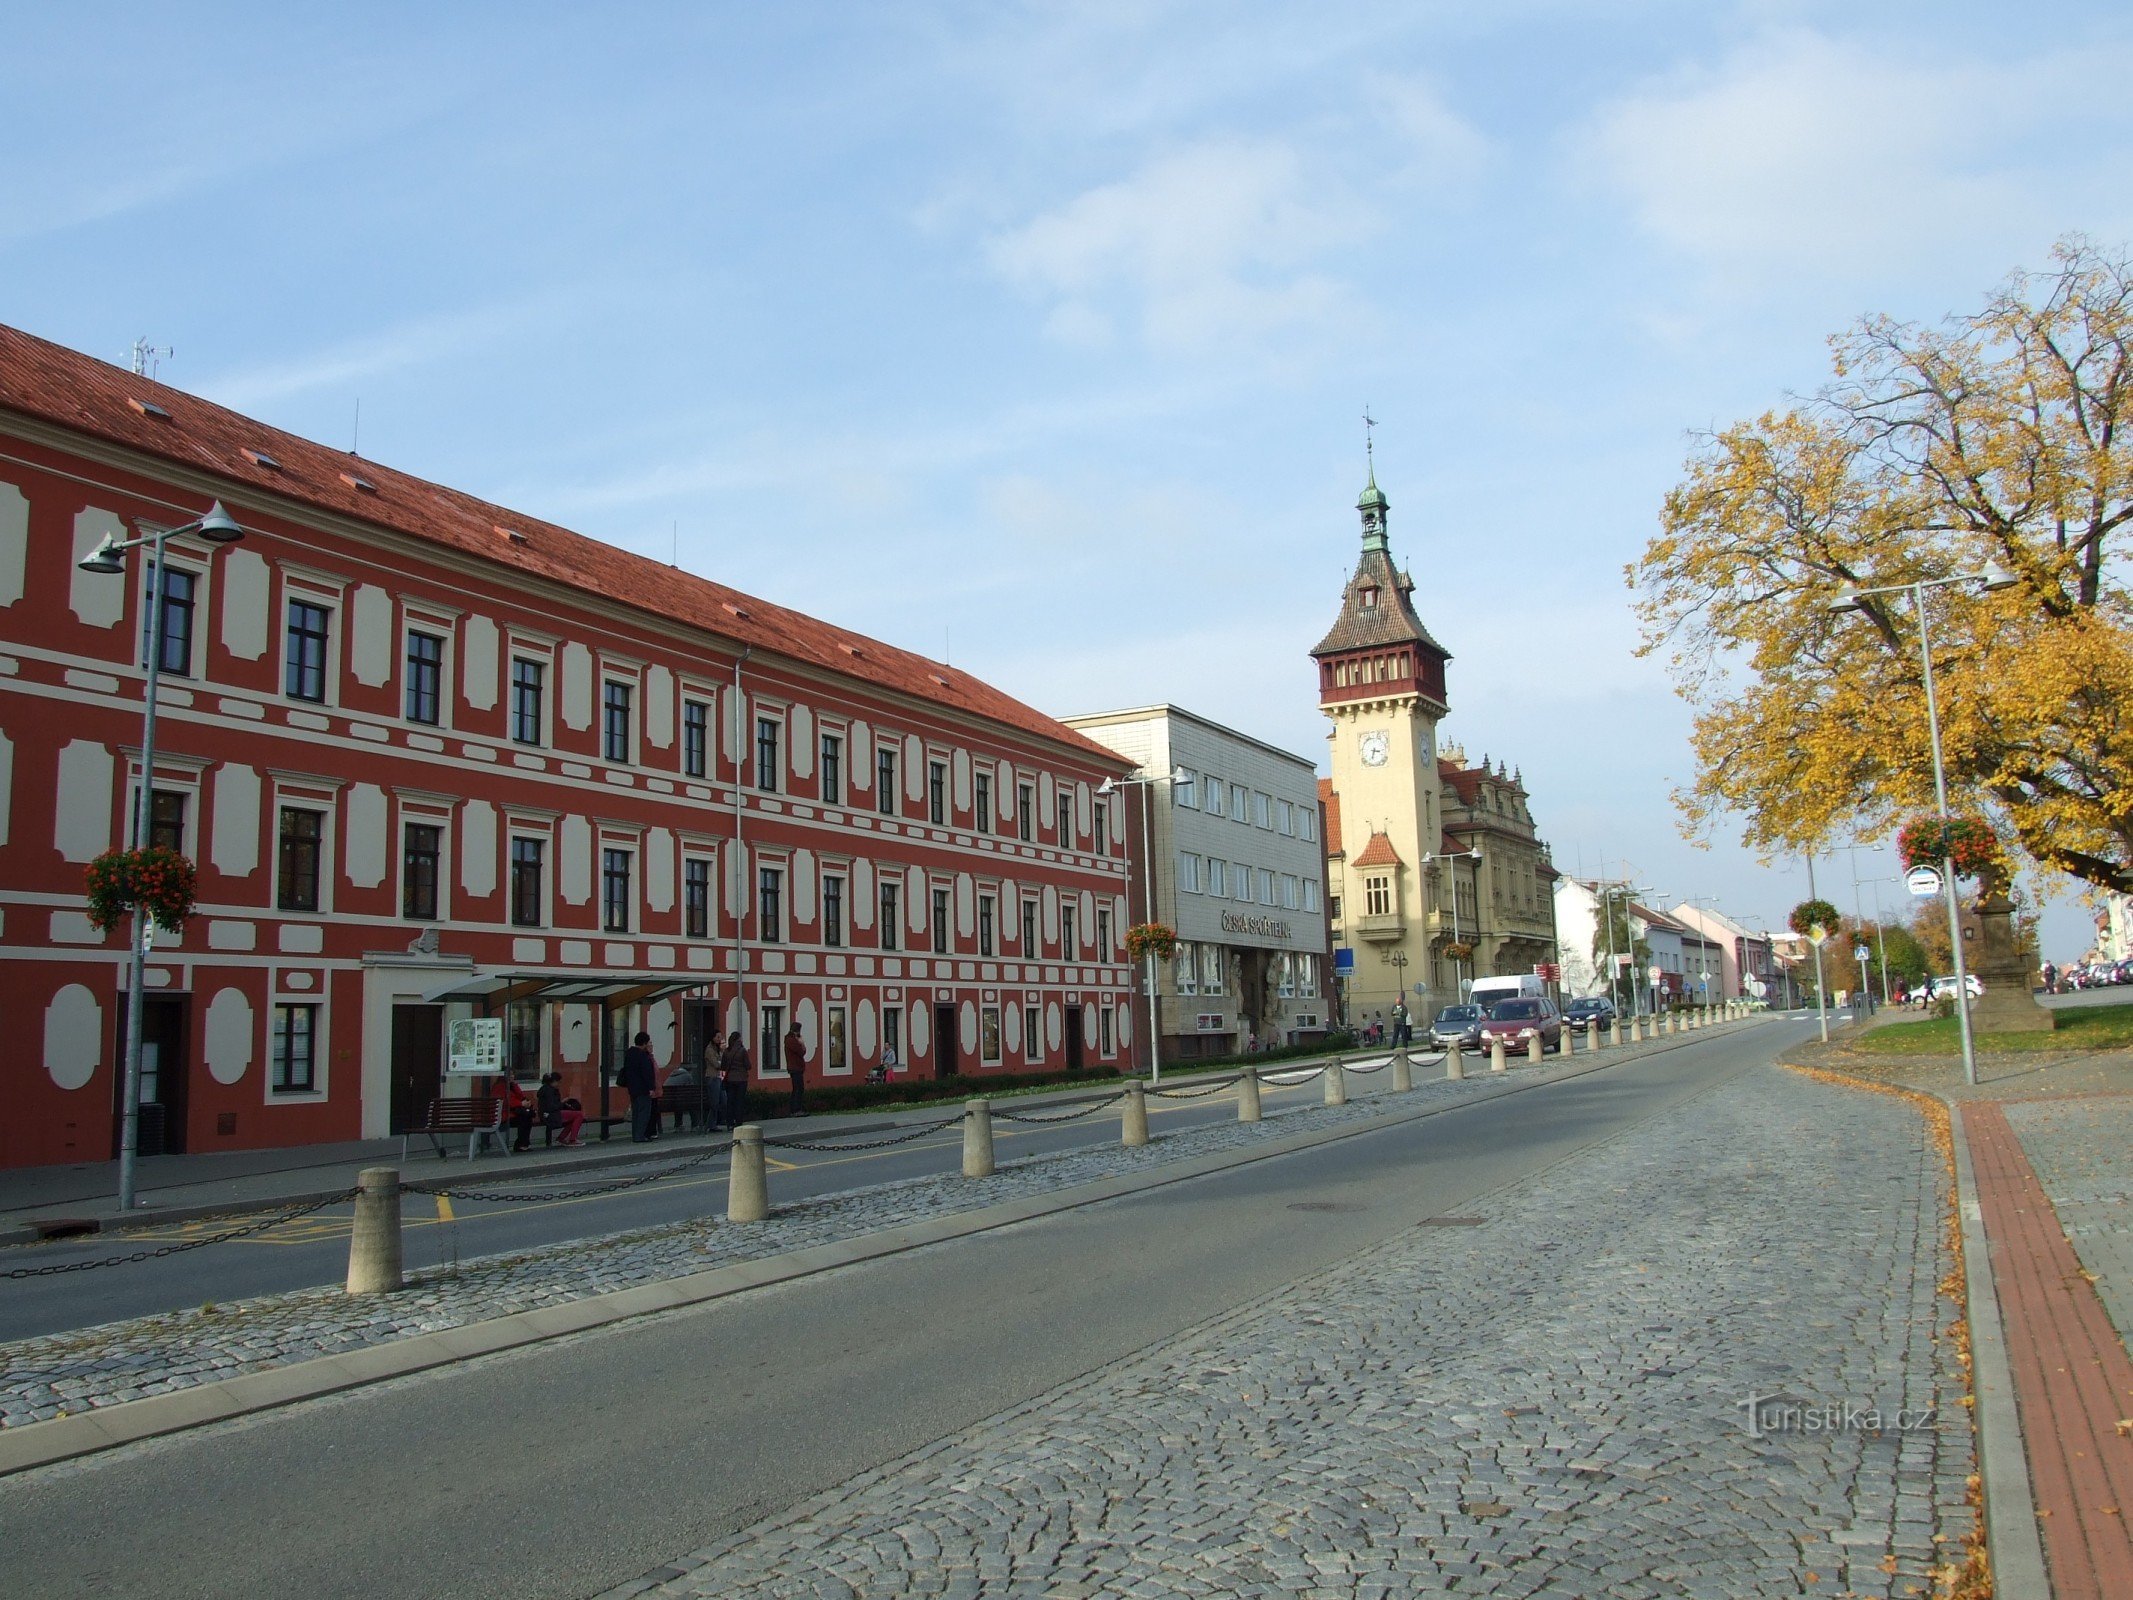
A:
(1051, 914)
(804, 1014)
(965, 904)
(1051, 1024)
(477, 847)
(247, 584)
(364, 848)
(659, 708)
(967, 1026)
(235, 846)
(1083, 804)
(7, 784)
(1003, 792)
(863, 897)
(1125, 1027)
(1088, 915)
(736, 723)
(98, 599)
(914, 768)
(73, 1036)
(802, 723)
(921, 1029)
(659, 869)
(962, 780)
(860, 773)
(477, 667)
(81, 821)
(803, 886)
(916, 899)
(14, 542)
(228, 1036)
(370, 635)
(575, 877)
(577, 686)
(863, 1027)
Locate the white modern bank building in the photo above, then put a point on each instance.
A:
(1225, 837)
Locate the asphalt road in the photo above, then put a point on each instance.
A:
(575, 1465)
(313, 1250)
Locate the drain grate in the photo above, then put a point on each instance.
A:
(1451, 1222)
(1324, 1205)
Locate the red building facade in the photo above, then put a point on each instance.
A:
(434, 759)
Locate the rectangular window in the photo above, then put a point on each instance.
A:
(987, 909)
(767, 764)
(1185, 968)
(1032, 1034)
(1285, 818)
(834, 1058)
(1214, 795)
(178, 588)
(425, 677)
(1377, 897)
(1266, 886)
(1210, 969)
(1066, 822)
(885, 782)
(771, 1056)
(1218, 876)
(305, 675)
(892, 916)
(982, 795)
(892, 1035)
(1310, 889)
(1308, 818)
(1025, 809)
(1262, 809)
(615, 721)
(1239, 803)
(1188, 872)
(528, 685)
(1105, 1021)
(770, 905)
(529, 888)
(616, 899)
(833, 769)
(937, 791)
(696, 897)
(420, 845)
(294, 1069)
(1102, 818)
(1288, 892)
(303, 833)
(166, 820)
(941, 927)
(1185, 790)
(1244, 884)
(1103, 933)
(1030, 951)
(695, 738)
(1069, 935)
(833, 912)
(989, 1034)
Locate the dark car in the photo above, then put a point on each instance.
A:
(1516, 1022)
(1594, 1009)
(1457, 1025)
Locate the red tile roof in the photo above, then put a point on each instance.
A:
(55, 385)
(1332, 803)
(1379, 853)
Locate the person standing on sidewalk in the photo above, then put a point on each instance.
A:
(640, 1080)
(796, 1064)
(733, 1081)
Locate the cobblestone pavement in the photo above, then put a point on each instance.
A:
(1550, 1404)
(2082, 1150)
(116, 1362)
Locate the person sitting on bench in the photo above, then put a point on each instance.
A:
(515, 1110)
(562, 1118)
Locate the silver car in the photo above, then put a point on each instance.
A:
(1457, 1025)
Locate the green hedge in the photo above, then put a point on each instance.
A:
(764, 1104)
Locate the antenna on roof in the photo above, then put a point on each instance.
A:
(674, 558)
(147, 358)
(355, 438)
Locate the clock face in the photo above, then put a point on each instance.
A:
(1376, 747)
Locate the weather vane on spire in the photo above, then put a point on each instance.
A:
(1369, 454)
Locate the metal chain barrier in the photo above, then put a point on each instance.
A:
(1303, 1075)
(1199, 1094)
(871, 1144)
(1380, 1067)
(581, 1192)
(287, 1214)
(1088, 1110)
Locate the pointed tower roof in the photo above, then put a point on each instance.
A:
(1379, 853)
(1375, 607)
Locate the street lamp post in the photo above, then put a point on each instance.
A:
(1993, 577)
(217, 527)
(1111, 786)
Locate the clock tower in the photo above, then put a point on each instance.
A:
(1381, 682)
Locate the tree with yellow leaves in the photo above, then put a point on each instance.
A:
(1997, 438)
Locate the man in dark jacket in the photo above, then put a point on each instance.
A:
(640, 1079)
(796, 1064)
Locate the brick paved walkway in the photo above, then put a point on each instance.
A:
(2073, 1379)
(1548, 1404)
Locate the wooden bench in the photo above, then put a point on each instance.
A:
(477, 1118)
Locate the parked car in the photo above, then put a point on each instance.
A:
(1944, 988)
(1457, 1025)
(1594, 1009)
(1516, 1022)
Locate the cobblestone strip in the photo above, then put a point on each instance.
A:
(1551, 1404)
(110, 1364)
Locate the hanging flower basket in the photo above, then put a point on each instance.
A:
(1145, 939)
(1810, 912)
(1967, 841)
(1458, 950)
(159, 882)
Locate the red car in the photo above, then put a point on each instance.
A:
(1515, 1022)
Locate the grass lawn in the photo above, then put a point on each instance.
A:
(2080, 1028)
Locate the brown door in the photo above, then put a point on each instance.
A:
(418, 1064)
(163, 1080)
(1073, 1037)
(945, 1064)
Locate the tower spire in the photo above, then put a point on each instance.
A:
(1373, 504)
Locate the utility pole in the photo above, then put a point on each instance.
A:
(1821, 988)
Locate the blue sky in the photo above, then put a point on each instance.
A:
(1039, 336)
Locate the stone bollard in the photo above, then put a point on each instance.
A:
(1248, 1095)
(1133, 1122)
(1403, 1073)
(374, 1244)
(747, 1190)
(1496, 1060)
(1336, 1076)
(1533, 1047)
(977, 1138)
(1454, 1063)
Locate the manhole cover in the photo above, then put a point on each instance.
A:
(1324, 1205)
(1452, 1222)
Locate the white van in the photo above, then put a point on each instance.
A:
(1521, 986)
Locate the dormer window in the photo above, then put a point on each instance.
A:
(1369, 596)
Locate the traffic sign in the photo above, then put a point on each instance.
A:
(1923, 881)
(1816, 933)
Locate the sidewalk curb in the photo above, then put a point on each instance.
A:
(2011, 1538)
(87, 1433)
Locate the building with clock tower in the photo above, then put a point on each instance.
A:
(1434, 874)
